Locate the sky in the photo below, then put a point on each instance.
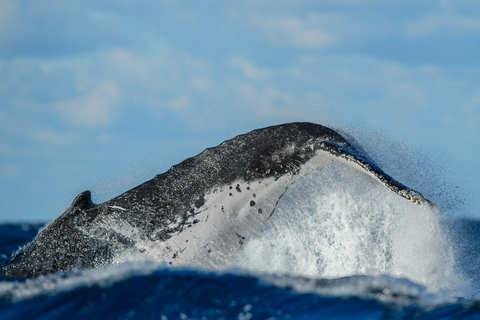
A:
(104, 95)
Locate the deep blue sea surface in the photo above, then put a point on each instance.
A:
(153, 291)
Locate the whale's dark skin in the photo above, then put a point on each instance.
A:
(169, 204)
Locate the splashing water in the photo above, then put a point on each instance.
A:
(339, 222)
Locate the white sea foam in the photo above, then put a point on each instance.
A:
(339, 222)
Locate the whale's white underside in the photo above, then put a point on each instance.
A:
(229, 215)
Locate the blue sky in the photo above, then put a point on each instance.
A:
(103, 95)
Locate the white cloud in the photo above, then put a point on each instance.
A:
(8, 12)
(97, 108)
(249, 69)
(179, 104)
(445, 22)
(263, 102)
(200, 84)
(51, 137)
(295, 32)
(128, 62)
(9, 17)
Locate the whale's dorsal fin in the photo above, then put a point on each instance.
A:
(83, 201)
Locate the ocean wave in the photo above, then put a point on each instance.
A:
(136, 291)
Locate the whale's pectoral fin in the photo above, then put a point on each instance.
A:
(376, 172)
(83, 201)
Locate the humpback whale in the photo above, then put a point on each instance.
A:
(198, 212)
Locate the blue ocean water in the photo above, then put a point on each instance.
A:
(153, 291)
